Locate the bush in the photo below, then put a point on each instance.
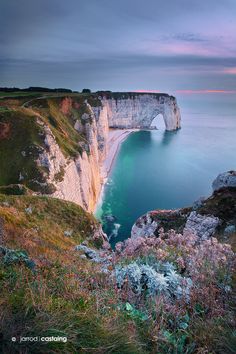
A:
(86, 91)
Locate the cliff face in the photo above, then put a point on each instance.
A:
(138, 111)
(78, 179)
(82, 179)
(73, 138)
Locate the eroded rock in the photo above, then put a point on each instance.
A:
(97, 256)
(149, 224)
(203, 226)
(223, 180)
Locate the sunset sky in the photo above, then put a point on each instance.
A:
(175, 45)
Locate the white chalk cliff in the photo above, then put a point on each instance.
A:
(80, 179)
(138, 111)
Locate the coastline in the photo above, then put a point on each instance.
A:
(115, 139)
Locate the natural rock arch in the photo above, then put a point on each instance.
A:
(158, 122)
(139, 111)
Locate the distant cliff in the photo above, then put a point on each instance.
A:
(57, 143)
(137, 110)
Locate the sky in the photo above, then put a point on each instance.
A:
(124, 45)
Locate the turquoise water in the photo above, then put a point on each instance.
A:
(166, 170)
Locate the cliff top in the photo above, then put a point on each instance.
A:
(131, 94)
(39, 92)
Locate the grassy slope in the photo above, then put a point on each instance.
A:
(23, 134)
(68, 296)
(65, 295)
(19, 116)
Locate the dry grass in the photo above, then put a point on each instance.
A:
(64, 295)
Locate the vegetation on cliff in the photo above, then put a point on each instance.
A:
(186, 285)
(21, 140)
(49, 287)
(22, 134)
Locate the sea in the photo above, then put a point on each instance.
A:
(166, 170)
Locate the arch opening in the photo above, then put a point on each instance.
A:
(158, 122)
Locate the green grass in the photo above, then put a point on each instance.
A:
(51, 216)
(62, 125)
(19, 94)
(19, 149)
(15, 189)
(128, 95)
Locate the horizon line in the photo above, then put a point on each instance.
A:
(189, 92)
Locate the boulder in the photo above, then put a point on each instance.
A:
(145, 226)
(198, 203)
(203, 226)
(223, 180)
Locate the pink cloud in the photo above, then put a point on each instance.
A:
(189, 92)
(211, 47)
(179, 48)
(231, 71)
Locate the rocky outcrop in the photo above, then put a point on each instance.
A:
(202, 226)
(226, 179)
(148, 224)
(145, 225)
(208, 217)
(101, 256)
(181, 220)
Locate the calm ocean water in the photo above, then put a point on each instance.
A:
(168, 170)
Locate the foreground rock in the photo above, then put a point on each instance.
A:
(149, 224)
(208, 217)
(102, 257)
(225, 180)
(201, 225)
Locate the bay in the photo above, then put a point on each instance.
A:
(167, 170)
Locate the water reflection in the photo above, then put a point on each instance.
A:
(141, 138)
(168, 137)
